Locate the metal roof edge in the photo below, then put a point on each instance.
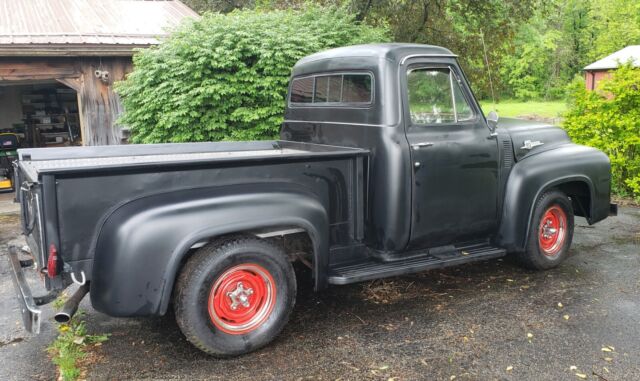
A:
(67, 50)
(188, 9)
(628, 54)
(605, 67)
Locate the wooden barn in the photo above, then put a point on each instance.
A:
(600, 69)
(59, 60)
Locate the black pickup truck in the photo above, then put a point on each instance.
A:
(386, 166)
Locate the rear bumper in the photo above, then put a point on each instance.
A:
(28, 308)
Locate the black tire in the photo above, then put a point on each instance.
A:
(548, 251)
(199, 292)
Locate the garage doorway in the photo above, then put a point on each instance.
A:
(42, 113)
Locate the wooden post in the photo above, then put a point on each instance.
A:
(99, 104)
(80, 119)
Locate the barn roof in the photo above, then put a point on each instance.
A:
(85, 27)
(630, 53)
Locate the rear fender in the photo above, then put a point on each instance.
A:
(142, 244)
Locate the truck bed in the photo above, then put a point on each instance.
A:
(68, 193)
(37, 161)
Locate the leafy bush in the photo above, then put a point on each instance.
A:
(609, 119)
(225, 77)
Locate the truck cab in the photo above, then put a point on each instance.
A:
(430, 143)
(439, 172)
(386, 166)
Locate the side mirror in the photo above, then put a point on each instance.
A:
(492, 121)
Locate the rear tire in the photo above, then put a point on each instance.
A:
(234, 296)
(550, 233)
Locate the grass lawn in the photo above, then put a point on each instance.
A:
(514, 108)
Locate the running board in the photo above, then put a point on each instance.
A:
(372, 269)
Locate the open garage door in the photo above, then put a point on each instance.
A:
(90, 80)
(42, 113)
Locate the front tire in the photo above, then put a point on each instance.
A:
(234, 296)
(550, 233)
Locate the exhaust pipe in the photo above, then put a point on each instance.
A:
(71, 305)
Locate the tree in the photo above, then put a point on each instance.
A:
(548, 50)
(531, 71)
(225, 77)
(534, 46)
(223, 6)
(615, 24)
(456, 25)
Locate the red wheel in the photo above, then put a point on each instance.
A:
(552, 230)
(242, 298)
(234, 295)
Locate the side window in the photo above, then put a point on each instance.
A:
(463, 110)
(435, 97)
(356, 89)
(332, 90)
(302, 90)
(328, 89)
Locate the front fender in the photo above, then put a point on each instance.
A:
(141, 245)
(537, 173)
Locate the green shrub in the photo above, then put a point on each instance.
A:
(72, 346)
(225, 77)
(609, 119)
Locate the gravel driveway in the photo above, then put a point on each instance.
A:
(488, 321)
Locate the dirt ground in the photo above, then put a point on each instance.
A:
(488, 321)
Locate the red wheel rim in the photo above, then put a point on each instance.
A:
(552, 231)
(241, 299)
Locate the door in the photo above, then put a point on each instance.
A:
(454, 159)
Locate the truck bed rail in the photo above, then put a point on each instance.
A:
(37, 161)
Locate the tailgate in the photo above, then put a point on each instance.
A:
(29, 194)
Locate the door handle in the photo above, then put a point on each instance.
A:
(417, 146)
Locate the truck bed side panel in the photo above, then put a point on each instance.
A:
(84, 202)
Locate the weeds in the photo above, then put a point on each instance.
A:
(69, 349)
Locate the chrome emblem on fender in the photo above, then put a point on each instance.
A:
(528, 144)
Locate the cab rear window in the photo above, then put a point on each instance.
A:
(332, 90)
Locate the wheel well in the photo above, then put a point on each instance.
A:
(295, 242)
(580, 195)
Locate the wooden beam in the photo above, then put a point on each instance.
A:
(74, 83)
(36, 69)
